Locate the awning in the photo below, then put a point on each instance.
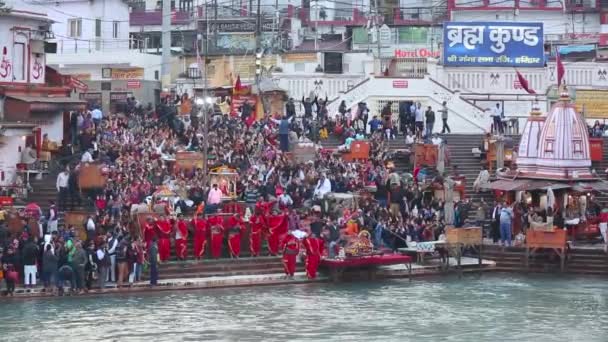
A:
(591, 187)
(525, 185)
(49, 104)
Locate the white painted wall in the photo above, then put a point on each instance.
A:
(9, 60)
(93, 63)
(109, 11)
(555, 22)
(53, 126)
(9, 149)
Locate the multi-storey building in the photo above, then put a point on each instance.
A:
(93, 44)
(34, 99)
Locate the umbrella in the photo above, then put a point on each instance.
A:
(33, 209)
(550, 198)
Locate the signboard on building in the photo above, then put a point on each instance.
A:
(127, 73)
(400, 84)
(592, 103)
(299, 58)
(133, 84)
(415, 53)
(497, 44)
(229, 25)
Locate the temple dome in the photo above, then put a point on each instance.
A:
(527, 153)
(563, 145)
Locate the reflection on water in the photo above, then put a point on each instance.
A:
(491, 308)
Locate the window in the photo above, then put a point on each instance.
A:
(19, 61)
(75, 28)
(97, 28)
(156, 75)
(115, 27)
(299, 67)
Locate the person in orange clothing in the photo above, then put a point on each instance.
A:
(163, 227)
(313, 246)
(235, 230)
(181, 238)
(200, 235)
(291, 248)
(255, 235)
(217, 235)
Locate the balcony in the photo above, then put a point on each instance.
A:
(147, 18)
(77, 46)
(415, 16)
(341, 18)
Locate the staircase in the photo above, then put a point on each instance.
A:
(589, 261)
(465, 116)
(221, 268)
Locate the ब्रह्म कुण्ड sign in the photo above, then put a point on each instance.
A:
(496, 44)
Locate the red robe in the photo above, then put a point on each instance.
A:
(200, 237)
(217, 235)
(164, 239)
(291, 248)
(235, 230)
(149, 234)
(277, 226)
(181, 246)
(255, 236)
(313, 246)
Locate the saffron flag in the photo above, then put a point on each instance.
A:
(560, 68)
(523, 82)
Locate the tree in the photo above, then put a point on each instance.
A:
(4, 8)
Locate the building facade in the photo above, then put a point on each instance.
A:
(34, 99)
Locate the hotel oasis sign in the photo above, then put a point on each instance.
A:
(493, 44)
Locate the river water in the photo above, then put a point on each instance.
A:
(488, 308)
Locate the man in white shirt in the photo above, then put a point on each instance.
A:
(323, 187)
(87, 157)
(419, 116)
(62, 187)
(96, 115)
(497, 119)
(90, 228)
(214, 198)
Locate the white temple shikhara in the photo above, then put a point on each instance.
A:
(555, 147)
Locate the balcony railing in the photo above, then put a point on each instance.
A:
(401, 67)
(73, 46)
(144, 18)
(571, 5)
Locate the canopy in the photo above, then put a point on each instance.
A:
(525, 185)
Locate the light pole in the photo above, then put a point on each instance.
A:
(204, 106)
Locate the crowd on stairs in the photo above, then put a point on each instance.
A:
(290, 205)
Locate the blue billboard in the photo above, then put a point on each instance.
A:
(495, 44)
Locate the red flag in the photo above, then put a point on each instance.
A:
(560, 68)
(238, 86)
(523, 82)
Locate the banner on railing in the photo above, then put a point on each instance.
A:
(497, 44)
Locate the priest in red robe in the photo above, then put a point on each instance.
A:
(163, 227)
(235, 230)
(255, 235)
(277, 226)
(200, 235)
(291, 248)
(314, 247)
(217, 235)
(149, 232)
(181, 238)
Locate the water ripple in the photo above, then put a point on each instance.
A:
(492, 308)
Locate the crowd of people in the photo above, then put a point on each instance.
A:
(289, 204)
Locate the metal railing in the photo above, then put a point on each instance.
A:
(401, 67)
(76, 45)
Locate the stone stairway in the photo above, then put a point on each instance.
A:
(589, 261)
(221, 267)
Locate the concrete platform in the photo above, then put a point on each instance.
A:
(433, 267)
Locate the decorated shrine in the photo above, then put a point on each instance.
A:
(552, 174)
(226, 179)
